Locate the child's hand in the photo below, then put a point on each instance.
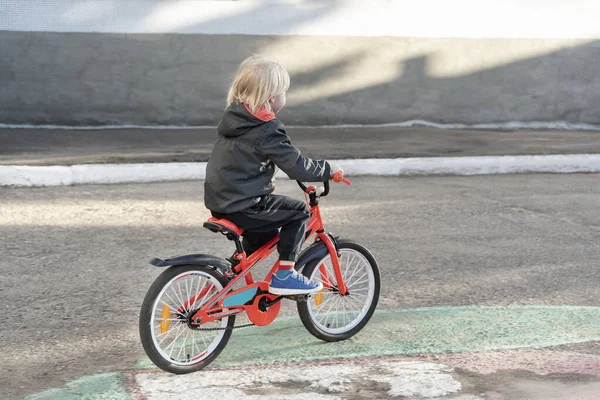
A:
(337, 173)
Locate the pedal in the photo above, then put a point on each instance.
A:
(298, 297)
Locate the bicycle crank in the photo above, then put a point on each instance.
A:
(264, 309)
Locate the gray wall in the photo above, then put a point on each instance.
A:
(174, 79)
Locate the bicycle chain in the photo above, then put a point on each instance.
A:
(224, 329)
(234, 327)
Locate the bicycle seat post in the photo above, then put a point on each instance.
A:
(239, 247)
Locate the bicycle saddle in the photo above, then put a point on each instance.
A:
(223, 226)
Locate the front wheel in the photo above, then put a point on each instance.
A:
(169, 338)
(330, 316)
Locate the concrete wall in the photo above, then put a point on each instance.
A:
(82, 73)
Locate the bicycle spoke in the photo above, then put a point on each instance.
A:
(353, 272)
(327, 282)
(174, 293)
(168, 333)
(347, 300)
(182, 347)
(203, 340)
(340, 313)
(196, 292)
(203, 301)
(187, 294)
(360, 281)
(335, 319)
(182, 301)
(326, 316)
(350, 283)
(171, 300)
(194, 343)
(326, 312)
(328, 272)
(328, 300)
(350, 275)
(166, 304)
(343, 270)
(359, 305)
(172, 337)
(321, 307)
(173, 343)
(335, 299)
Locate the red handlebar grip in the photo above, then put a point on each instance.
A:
(337, 177)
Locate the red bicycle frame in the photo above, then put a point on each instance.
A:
(217, 306)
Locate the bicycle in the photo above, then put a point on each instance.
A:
(188, 314)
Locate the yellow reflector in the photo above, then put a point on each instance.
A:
(166, 314)
(319, 298)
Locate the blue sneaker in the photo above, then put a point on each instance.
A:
(293, 283)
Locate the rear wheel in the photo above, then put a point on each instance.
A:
(330, 316)
(170, 340)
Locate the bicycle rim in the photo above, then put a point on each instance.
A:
(174, 340)
(335, 314)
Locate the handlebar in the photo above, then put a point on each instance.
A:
(304, 187)
(325, 185)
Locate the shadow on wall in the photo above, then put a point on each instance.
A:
(173, 79)
(561, 85)
(147, 79)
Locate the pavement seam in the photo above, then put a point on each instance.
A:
(132, 386)
(508, 125)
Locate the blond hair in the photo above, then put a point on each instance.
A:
(258, 80)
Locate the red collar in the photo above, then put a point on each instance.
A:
(262, 113)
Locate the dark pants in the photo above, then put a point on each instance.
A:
(263, 221)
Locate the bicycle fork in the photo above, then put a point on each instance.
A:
(339, 285)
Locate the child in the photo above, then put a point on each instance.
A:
(241, 169)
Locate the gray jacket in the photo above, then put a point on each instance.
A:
(243, 162)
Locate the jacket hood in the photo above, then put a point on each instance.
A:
(237, 120)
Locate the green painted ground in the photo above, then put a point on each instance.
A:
(417, 331)
(94, 387)
(389, 333)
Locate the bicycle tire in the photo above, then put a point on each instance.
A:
(149, 322)
(308, 310)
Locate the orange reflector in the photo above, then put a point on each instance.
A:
(319, 298)
(166, 314)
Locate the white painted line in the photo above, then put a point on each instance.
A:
(147, 172)
(24, 175)
(32, 176)
(508, 125)
(483, 165)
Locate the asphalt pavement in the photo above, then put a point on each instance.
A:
(68, 147)
(489, 282)
(511, 259)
